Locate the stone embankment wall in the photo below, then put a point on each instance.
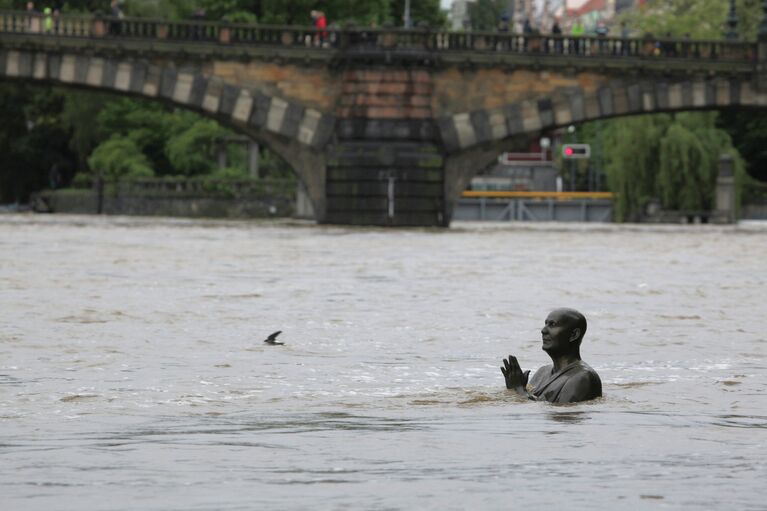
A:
(273, 201)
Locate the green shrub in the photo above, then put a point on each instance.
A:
(118, 158)
(192, 151)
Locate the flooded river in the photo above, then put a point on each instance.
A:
(133, 376)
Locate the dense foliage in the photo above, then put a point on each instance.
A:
(674, 158)
(670, 158)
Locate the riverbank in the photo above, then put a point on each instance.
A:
(192, 197)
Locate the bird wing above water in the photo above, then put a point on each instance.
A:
(272, 339)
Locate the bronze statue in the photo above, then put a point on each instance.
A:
(569, 379)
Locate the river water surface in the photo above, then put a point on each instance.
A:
(133, 376)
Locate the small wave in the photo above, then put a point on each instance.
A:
(77, 397)
(80, 319)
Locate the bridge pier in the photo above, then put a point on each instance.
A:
(385, 165)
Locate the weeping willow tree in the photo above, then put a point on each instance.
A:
(631, 153)
(670, 158)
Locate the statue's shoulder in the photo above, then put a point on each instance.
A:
(586, 371)
(582, 385)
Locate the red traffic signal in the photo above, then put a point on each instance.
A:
(576, 151)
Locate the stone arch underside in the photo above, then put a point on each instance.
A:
(295, 132)
(473, 139)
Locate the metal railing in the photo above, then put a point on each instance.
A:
(473, 194)
(370, 39)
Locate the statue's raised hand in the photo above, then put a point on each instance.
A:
(516, 379)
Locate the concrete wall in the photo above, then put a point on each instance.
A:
(86, 202)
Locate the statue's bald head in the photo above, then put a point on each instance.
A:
(574, 320)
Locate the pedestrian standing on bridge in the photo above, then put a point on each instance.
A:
(625, 34)
(556, 31)
(601, 31)
(116, 13)
(33, 21)
(48, 20)
(321, 24)
(577, 32)
(198, 17)
(503, 30)
(57, 7)
(527, 31)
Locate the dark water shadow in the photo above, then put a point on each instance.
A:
(573, 417)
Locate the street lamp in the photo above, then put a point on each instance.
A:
(763, 24)
(545, 143)
(732, 22)
(406, 15)
(571, 131)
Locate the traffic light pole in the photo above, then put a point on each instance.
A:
(572, 166)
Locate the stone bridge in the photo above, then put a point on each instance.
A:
(387, 126)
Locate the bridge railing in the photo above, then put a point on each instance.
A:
(595, 46)
(373, 40)
(37, 23)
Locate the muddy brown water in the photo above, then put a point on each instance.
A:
(133, 376)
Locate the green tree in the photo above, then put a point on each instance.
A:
(426, 12)
(486, 14)
(148, 124)
(631, 152)
(119, 158)
(672, 158)
(77, 115)
(192, 150)
(702, 19)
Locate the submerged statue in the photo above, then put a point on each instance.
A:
(569, 379)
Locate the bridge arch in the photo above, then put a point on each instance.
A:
(474, 139)
(295, 132)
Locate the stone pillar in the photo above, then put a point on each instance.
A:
(253, 159)
(304, 208)
(725, 191)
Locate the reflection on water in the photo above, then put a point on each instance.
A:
(132, 372)
(568, 417)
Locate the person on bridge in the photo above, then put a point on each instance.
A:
(556, 31)
(321, 24)
(577, 30)
(33, 21)
(48, 20)
(569, 379)
(116, 13)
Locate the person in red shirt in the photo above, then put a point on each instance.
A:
(320, 23)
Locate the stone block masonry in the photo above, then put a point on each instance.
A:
(385, 167)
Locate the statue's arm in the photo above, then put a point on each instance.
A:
(515, 378)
